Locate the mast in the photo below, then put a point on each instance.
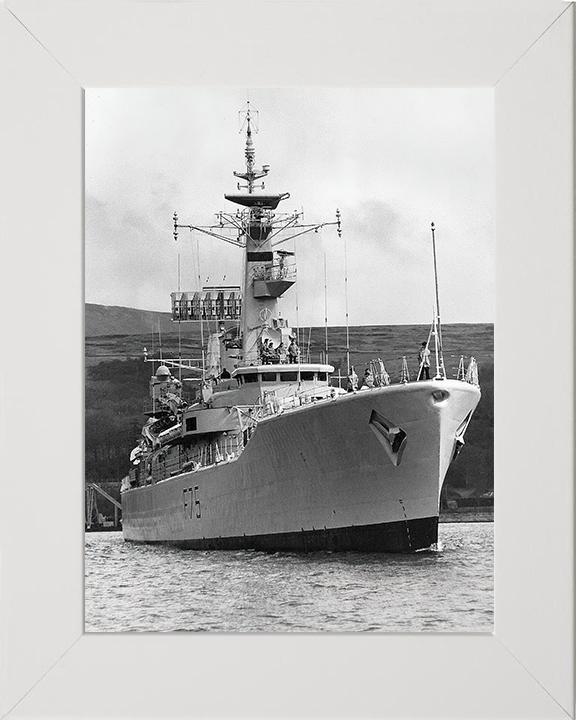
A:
(440, 371)
(339, 231)
(250, 175)
(268, 272)
(265, 277)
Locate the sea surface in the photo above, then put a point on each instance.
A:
(148, 588)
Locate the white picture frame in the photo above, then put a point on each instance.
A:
(54, 49)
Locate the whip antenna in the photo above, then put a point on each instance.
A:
(440, 371)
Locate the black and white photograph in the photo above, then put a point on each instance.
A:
(289, 360)
(286, 399)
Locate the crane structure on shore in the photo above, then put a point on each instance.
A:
(93, 516)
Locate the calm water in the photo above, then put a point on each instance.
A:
(150, 588)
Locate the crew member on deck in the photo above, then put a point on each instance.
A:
(352, 381)
(293, 351)
(267, 352)
(368, 379)
(424, 359)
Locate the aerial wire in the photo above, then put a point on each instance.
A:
(339, 231)
(201, 305)
(325, 309)
(179, 330)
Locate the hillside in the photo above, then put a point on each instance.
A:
(113, 331)
(100, 320)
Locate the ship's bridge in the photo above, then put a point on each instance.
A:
(272, 389)
(283, 373)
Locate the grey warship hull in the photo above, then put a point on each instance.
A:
(325, 476)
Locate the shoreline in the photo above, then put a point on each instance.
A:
(455, 516)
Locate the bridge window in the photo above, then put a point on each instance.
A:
(269, 376)
(307, 375)
(191, 424)
(322, 376)
(289, 376)
(251, 377)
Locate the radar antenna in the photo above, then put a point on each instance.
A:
(250, 175)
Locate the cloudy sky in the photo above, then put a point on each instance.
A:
(391, 160)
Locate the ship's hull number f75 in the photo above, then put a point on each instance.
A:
(191, 502)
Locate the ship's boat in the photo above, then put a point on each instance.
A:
(271, 455)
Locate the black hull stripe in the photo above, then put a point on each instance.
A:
(402, 536)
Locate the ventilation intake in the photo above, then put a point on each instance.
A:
(391, 437)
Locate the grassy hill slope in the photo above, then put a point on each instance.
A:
(102, 320)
